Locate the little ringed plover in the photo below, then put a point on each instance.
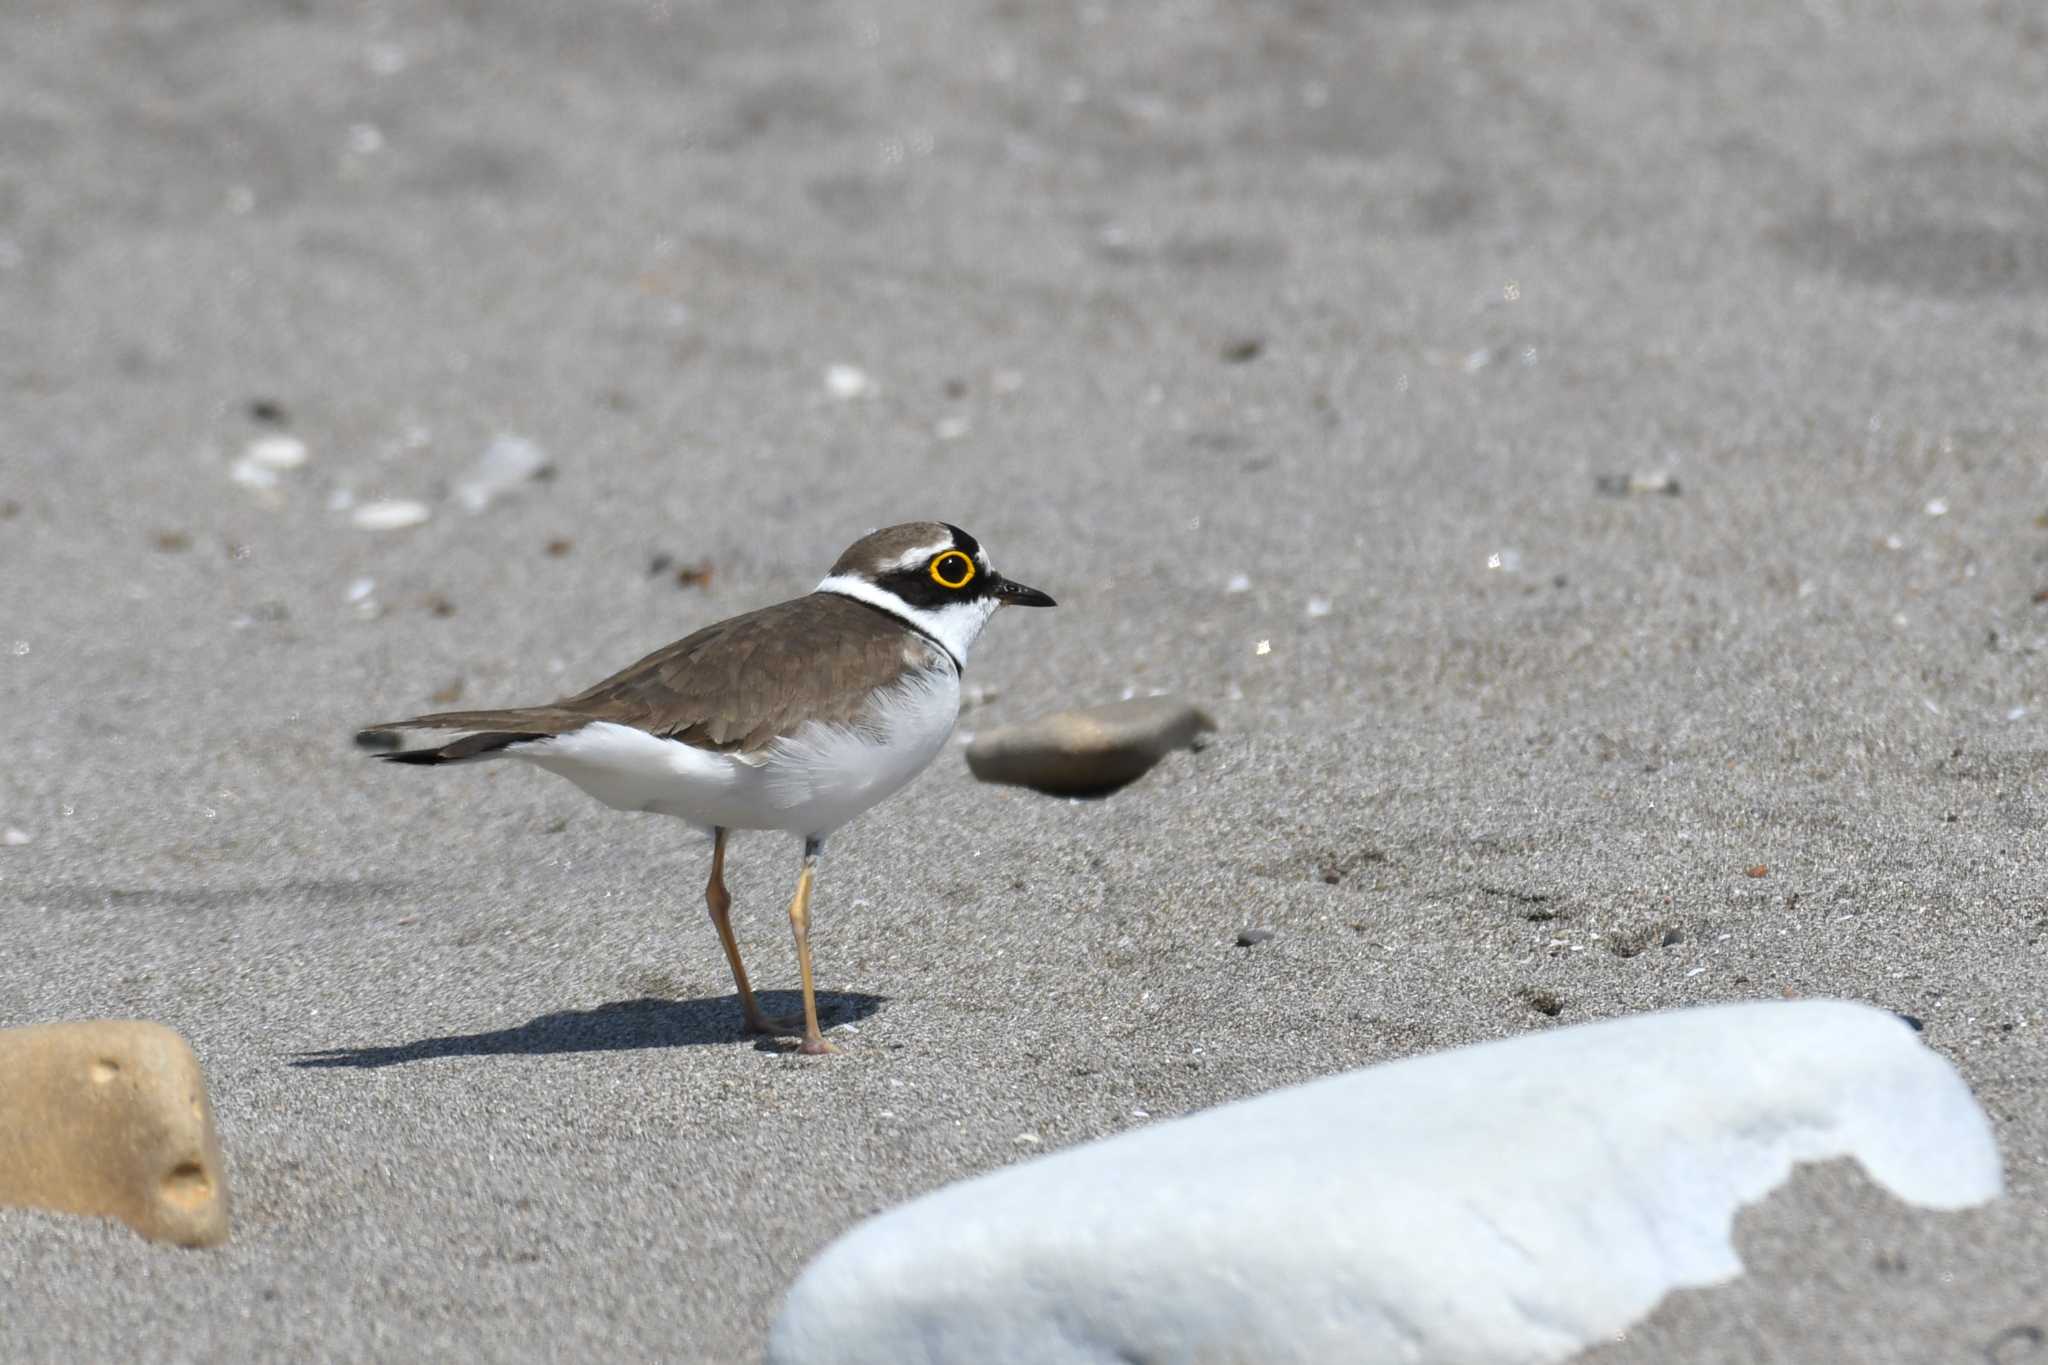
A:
(796, 717)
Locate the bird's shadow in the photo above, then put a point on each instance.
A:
(621, 1026)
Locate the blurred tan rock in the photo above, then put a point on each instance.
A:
(1093, 750)
(109, 1117)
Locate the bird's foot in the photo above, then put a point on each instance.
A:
(816, 1047)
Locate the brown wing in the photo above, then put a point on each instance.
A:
(736, 686)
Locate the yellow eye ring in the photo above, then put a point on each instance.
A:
(955, 562)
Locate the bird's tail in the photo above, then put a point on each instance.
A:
(496, 731)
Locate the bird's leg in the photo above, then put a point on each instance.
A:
(721, 918)
(814, 1042)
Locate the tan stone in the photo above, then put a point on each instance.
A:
(1089, 751)
(109, 1117)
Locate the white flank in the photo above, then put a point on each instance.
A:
(1514, 1202)
(956, 625)
(809, 783)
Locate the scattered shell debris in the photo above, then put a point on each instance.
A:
(1091, 751)
(1318, 607)
(1263, 647)
(848, 382)
(1238, 583)
(394, 514)
(507, 462)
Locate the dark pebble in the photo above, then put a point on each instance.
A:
(660, 565)
(1244, 349)
(1251, 938)
(268, 411)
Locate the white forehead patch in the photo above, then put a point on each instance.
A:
(915, 559)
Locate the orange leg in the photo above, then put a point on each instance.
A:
(814, 1043)
(721, 918)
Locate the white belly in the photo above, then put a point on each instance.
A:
(808, 783)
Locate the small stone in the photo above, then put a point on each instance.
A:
(268, 411)
(173, 542)
(278, 451)
(1318, 607)
(109, 1118)
(1654, 481)
(16, 838)
(439, 605)
(507, 462)
(952, 428)
(660, 565)
(1758, 871)
(1238, 583)
(360, 589)
(252, 474)
(848, 382)
(391, 515)
(1243, 349)
(560, 546)
(1090, 751)
(1251, 938)
(696, 575)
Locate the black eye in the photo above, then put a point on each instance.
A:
(953, 569)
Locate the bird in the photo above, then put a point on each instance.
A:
(796, 717)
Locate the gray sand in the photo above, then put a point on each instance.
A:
(470, 1037)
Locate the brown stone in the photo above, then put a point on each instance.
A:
(109, 1117)
(1093, 750)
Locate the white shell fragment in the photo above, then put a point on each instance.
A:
(276, 452)
(507, 462)
(394, 515)
(847, 382)
(1514, 1201)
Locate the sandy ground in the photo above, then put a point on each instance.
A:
(1357, 301)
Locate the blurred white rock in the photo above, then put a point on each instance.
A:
(1513, 1201)
(847, 382)
(276, 451)
(392, 515)
(507, 462)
